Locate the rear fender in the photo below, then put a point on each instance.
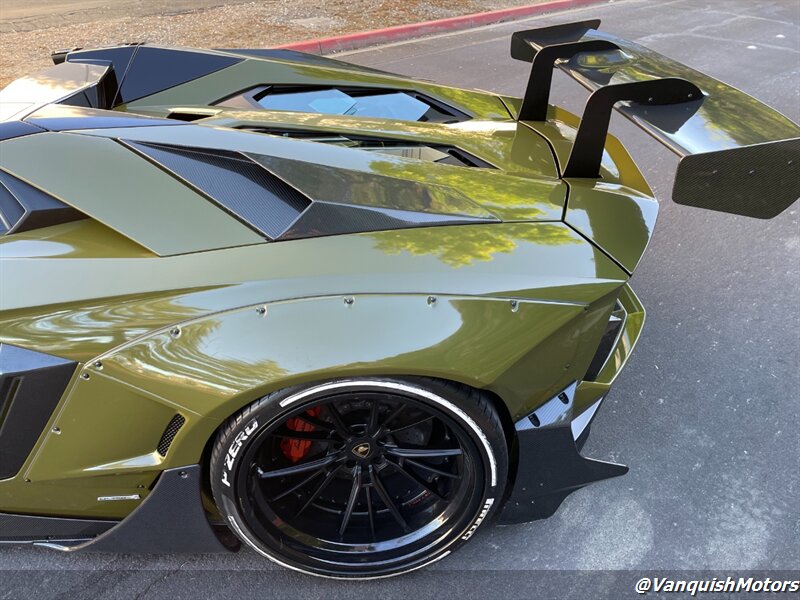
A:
(209, 368)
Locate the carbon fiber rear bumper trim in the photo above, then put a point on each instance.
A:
(551, 466)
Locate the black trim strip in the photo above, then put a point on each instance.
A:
(26, 529)
(15, 129)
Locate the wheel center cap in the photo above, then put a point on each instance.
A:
(361, 449)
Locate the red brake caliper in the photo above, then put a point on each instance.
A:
(294, 449)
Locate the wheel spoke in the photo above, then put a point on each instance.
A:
(374, 410)
(414, 478)
(312, 436)
(432, 469)
(368, 491)
(316, 422)
(301, 468)
(387, 501)
(328, 478)
(410, 425)
(297, 486)
(351, 501)
(341, 428)
(394, 415)
(422, 452)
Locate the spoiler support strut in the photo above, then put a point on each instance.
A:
(587, 151)
(537, 94)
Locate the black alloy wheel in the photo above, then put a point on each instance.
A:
(360, 478)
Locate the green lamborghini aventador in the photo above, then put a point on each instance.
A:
(343, 317)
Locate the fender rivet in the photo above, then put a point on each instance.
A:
(84, 375)
(98, 365)
(348, 300)
(261, 310)
(56, 430)
(184, 474)
(431, 300)
(514, 306)
(175, 332)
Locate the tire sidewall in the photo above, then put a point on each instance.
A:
(246, 426)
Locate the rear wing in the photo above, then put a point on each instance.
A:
(738, 155)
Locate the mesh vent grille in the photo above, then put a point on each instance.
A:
(169, 434)
(243, 187)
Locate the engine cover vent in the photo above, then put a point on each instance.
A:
(238, 184)
(24, 207)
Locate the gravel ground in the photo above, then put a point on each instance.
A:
(29, 32)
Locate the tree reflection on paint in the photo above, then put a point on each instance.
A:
(463, 245)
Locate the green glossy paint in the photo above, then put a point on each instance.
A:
(172, 305)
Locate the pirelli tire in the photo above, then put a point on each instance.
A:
(360, 478)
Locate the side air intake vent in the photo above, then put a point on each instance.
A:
(23, 207)
(31, 384)
(173, 427)
(242, 187)
(607, 343)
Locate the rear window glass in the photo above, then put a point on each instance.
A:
(396, 105)
(361, 102)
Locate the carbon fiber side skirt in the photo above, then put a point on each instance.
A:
(170, 520)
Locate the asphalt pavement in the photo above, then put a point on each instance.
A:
(706, 414)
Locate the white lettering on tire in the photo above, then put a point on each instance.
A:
(479, 520)
(234, 448)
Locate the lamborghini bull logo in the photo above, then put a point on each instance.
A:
(362, 450)
(234, 449)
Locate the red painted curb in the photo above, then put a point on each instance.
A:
(352, 41)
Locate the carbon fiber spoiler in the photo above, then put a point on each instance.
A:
(738, 155)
